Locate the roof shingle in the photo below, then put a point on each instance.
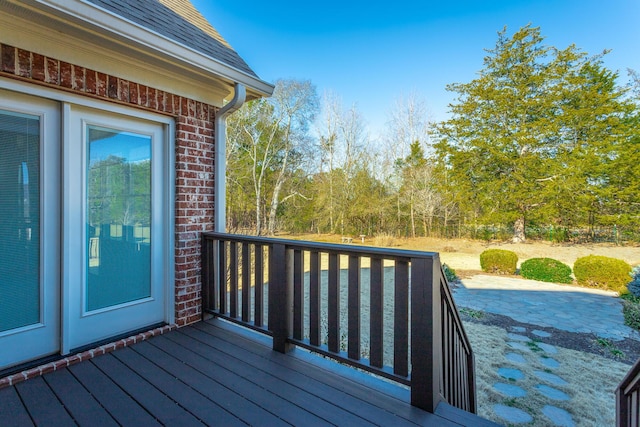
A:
(180, 21)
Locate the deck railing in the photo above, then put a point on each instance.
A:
(389, 312)
(628, 399)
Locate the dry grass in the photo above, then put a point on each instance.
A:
(384, 241)
(592, 380)
(464, 254)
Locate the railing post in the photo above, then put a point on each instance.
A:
(280, 296)
(205, 280)
(471, 378)
(426, 340)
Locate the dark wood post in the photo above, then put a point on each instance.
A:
(426, 342)
(471, 384)
(208, 302)
(280, 296)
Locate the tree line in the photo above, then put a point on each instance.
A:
(543, 137)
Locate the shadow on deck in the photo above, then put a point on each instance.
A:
(215, 373)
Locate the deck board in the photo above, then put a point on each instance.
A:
(204, 398)
(339, 388)
(342, 406)
(261, 405)
(214, 373)
(120, 405)
(12, 411)
(43, 405)
(243, 365)
(164, 409)
(82, 406)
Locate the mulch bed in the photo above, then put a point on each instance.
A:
(585, 342)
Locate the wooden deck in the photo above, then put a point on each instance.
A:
(214, 373)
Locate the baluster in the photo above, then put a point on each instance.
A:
(401, 319)
(314, 298)
(233, 275)
(258, 314)
(222, 275)
(376, 289)
(246, 281)
(354, 308)
(298, 295)
(333, 303)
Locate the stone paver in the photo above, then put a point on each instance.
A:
(549, 362)
(515, 358)
(510, 373)
(552, 393)
(541, 334)
(568, 308)
(547, 348)
(512, 415)
(558, 416)
(518, 346)
(550, 378)
(517, 337)
(510, 390)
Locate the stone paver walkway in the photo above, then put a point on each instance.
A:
(525, 351)
(568, 308)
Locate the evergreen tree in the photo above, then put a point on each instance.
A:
(532, 137)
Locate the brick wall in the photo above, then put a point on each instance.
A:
(194, 142)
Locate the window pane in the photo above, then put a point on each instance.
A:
(119, 217)
(19, 220)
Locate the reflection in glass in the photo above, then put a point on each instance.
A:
(118, 217)
(19, 220)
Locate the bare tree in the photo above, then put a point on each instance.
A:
(265, 140)
(295, 105)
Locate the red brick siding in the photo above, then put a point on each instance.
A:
(194, 153)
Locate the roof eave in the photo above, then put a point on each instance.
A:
(128, 34)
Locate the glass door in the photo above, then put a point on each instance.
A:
(115, 226)
(118, 220)
(29, 228)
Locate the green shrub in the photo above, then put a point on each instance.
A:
(499, 261)
(602, 272)
(449, 273)
(631, 310)
(546, 270)
(634, 284)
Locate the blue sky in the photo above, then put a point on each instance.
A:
(371, 53)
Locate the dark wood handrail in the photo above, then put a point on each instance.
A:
(305, 303)
(628, 399)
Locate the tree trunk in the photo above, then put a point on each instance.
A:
(413, 219)
(258, 215)
(273, 210)
(518, 230)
